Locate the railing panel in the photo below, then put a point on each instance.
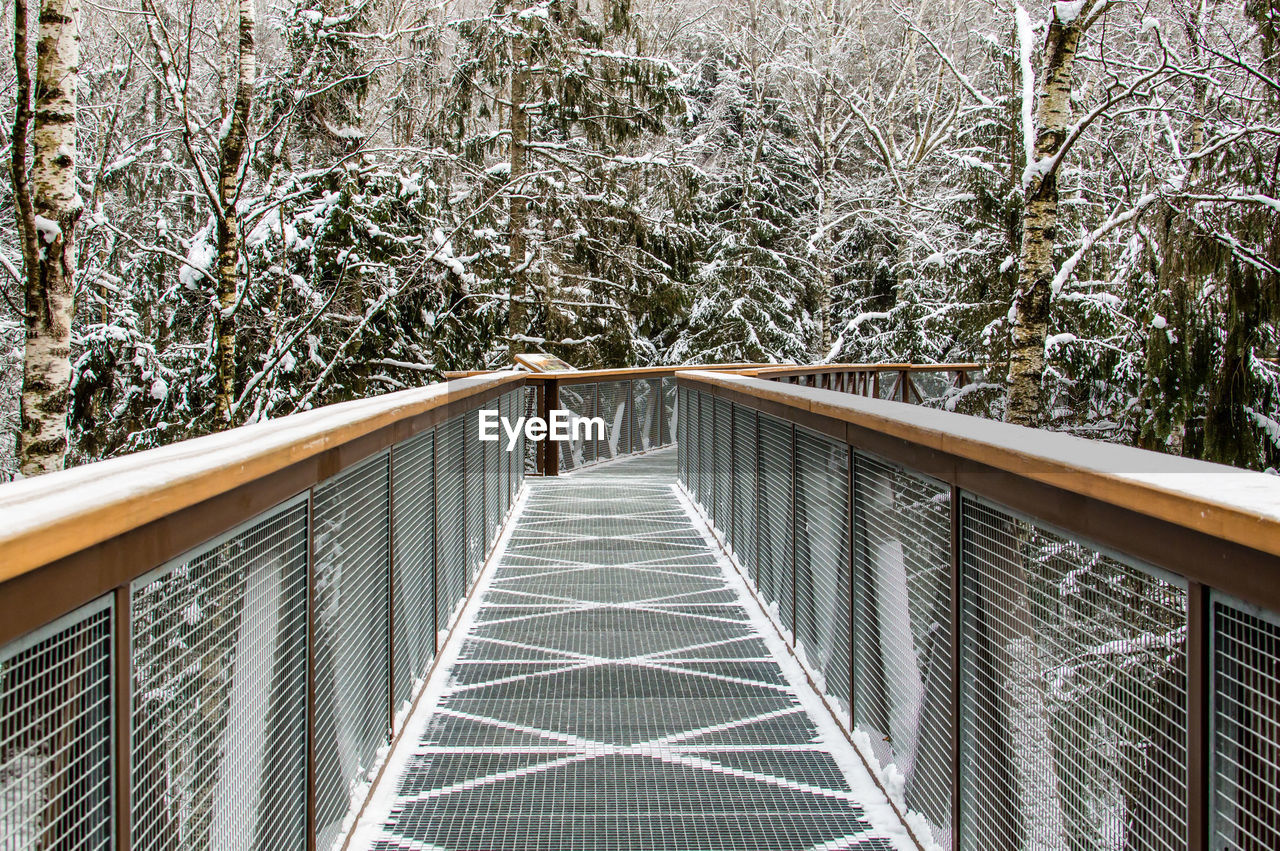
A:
(55, 726)
(694, 437)
(524, 448)
(683, 441)
(492, 492)
(721, 462)
(613, 405)
(527, 400)
(775, 498)
(473, 495)
(1074, 704)
(822, 560)
(670, 411)
(647, 414)
(219, 692)
(1246, 736)
(745, 462)
(902, 630)
(580, 399)
(506, 467)
(451, 560)
(351, 650)
(415, 531)
(706, 457)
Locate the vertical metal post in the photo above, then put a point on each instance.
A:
(1199, 715)
(311, 671)
(550, 448)
(956, 613)
(122, 698)
(391, 592)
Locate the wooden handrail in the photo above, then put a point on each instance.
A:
(800, 369)
(586, 376)
(53, 516)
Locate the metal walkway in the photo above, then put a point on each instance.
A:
(614, 689)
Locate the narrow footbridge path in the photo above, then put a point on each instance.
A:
(615, 686)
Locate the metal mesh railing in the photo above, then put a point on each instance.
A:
(722, 466)
(822, 559)
(670, 411)
(1075, 693)
(902, 629)
(775, 498)
(473, 495)
(683, 441)
(646, 414)
(746, 450)
(580, 450)
(451, 538)
(1246, 735)
(706, 451)
(613, 405)
(1069, 728)
(239, 696)
(219, 692)
(492, 485)
(352, 570)
(414, 519)
(55, 746)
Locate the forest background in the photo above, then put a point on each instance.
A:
(222, 212)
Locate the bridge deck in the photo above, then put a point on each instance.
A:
(616, 687)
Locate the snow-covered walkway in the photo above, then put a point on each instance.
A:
(614, 686)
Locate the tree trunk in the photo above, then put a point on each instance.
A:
(1039, 223)
(230, 174)
(517, 315)
(48, 208)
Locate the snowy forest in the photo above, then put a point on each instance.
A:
(222, 211)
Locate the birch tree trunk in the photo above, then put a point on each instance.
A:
(230, 177)
(48, 208)
(517, 315)
(1024, 385)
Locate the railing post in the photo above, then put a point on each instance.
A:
(550, 448)
(956, 614)
(1199, 716)
(122, 662)
(904, 385)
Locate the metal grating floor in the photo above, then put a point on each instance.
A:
(611, 692)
